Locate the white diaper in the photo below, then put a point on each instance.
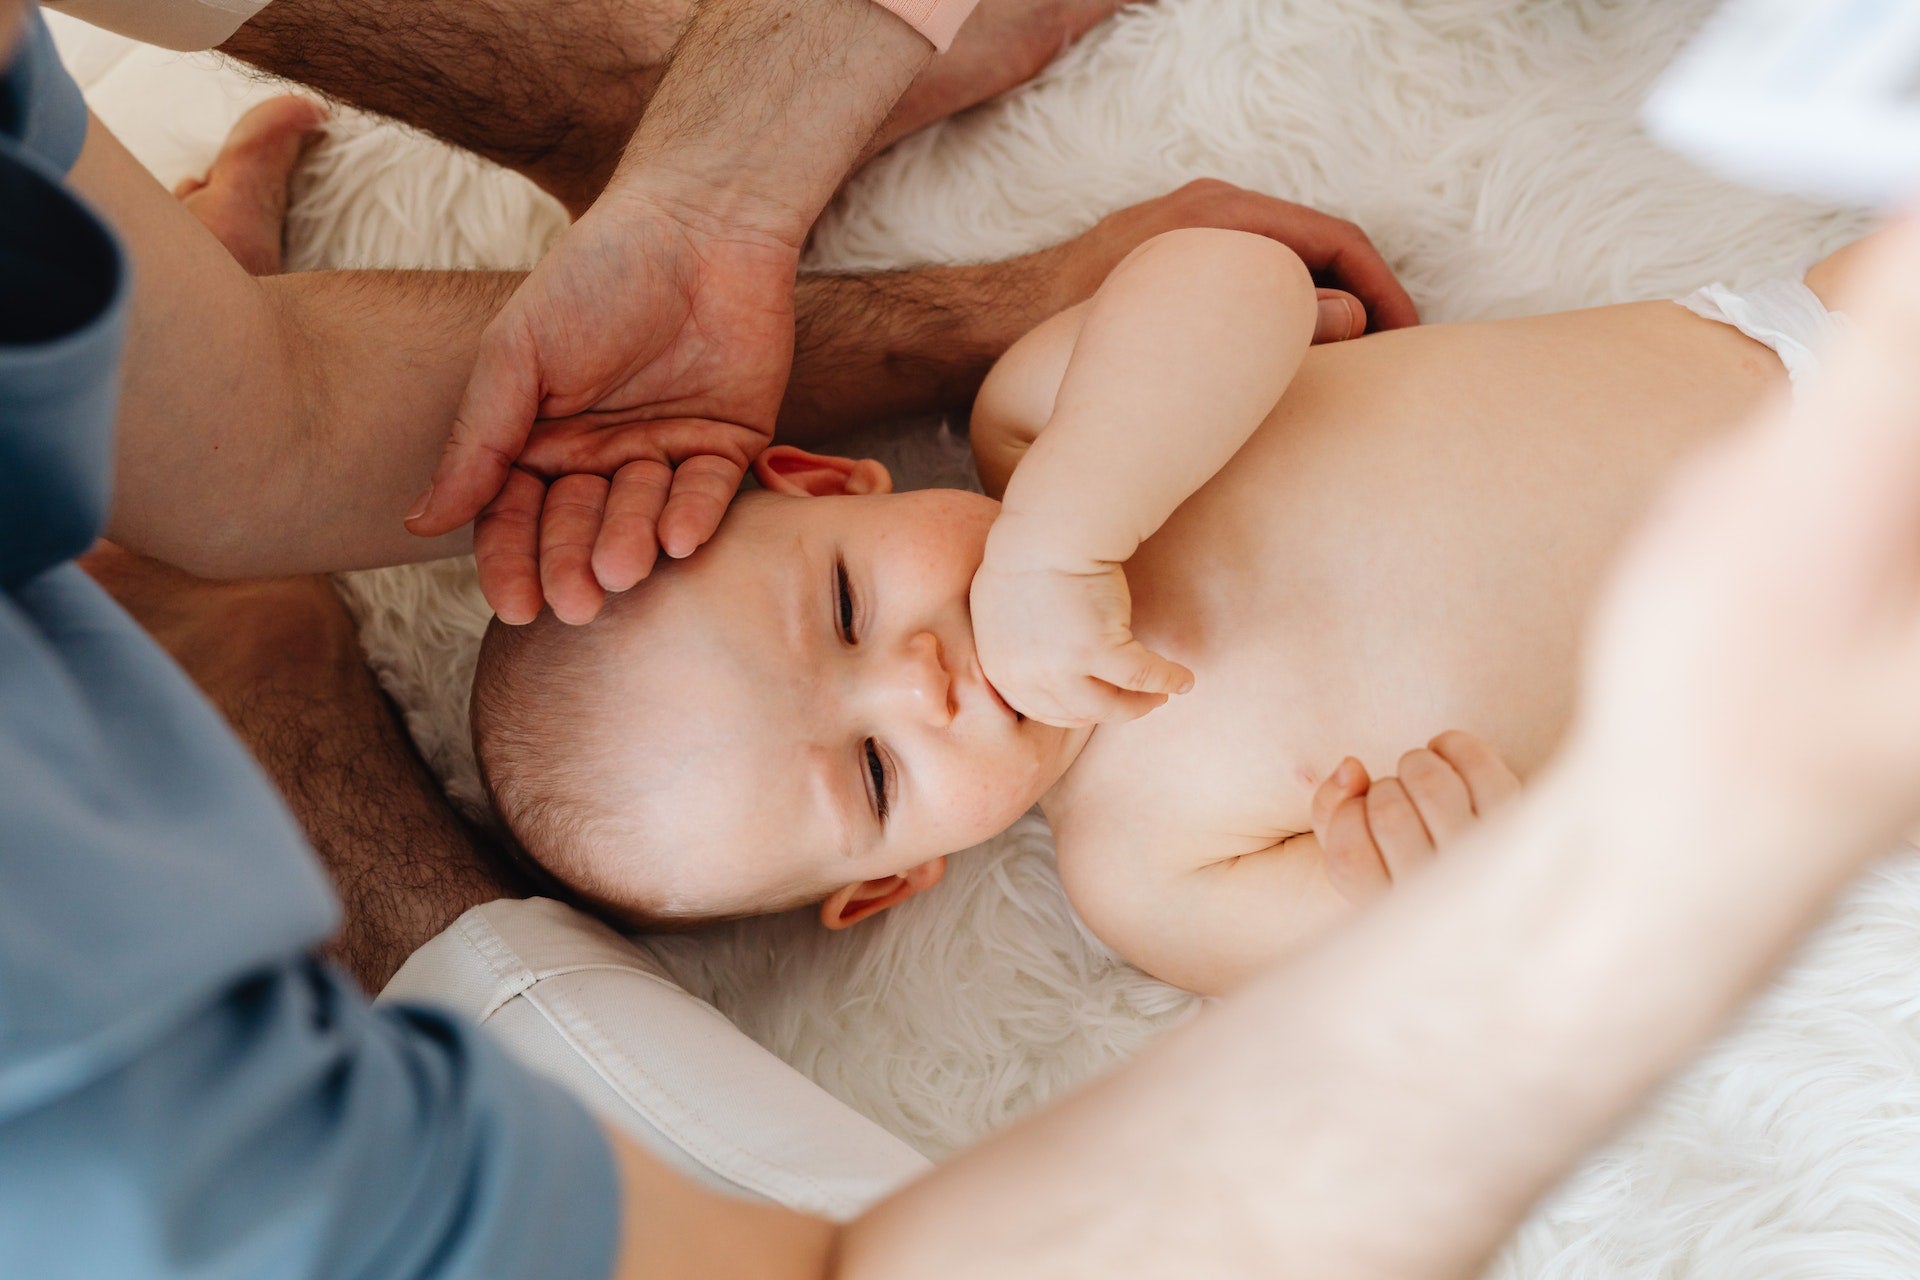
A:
(1784, 314)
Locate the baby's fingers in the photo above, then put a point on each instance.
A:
(1402, 839)
(1490, 783)
(1135, 668)
(1354, 865)
(1080, 703)
(1347, 780)
(1120, 705)
(1438, 792)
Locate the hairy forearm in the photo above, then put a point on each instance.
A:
(1390, 1105)
(1198, 327)
(553, 90)
(764, 107)
(872, 347)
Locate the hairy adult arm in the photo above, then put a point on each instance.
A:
(552, 89)
(763, 109)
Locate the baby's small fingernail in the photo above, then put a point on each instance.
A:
(1186, 686)
(1348, 772)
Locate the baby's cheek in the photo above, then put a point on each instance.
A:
(996, 797)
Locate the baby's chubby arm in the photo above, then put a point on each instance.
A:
(1177, 359)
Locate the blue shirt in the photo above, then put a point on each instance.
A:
(184, 1089)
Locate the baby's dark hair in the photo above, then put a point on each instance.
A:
(542, 717)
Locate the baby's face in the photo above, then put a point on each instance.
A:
(830, 721)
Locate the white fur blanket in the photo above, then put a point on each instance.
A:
(1490, 148)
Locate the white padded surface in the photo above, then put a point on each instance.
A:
(576, 1002)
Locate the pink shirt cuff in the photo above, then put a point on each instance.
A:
(937, 20)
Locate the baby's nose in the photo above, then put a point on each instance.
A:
(923, 682)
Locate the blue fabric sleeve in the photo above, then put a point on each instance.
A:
(288, 1130)
(40, 105)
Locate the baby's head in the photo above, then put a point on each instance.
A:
(793, 714)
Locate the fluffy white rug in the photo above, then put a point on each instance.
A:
(1490, 148)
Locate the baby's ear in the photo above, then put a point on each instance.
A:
(856, 902)
(799, 474)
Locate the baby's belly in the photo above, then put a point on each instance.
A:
(1411, 544)
(1242, 754)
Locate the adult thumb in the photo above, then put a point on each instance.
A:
(490, 428)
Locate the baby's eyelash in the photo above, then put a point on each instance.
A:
(846, 600)
(877, 769)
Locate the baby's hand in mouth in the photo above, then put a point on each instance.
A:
(1057, 644)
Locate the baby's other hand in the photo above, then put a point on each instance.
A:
(1059, 645)
(1374, 832)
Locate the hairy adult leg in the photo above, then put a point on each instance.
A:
(554, 88)
(280, 659)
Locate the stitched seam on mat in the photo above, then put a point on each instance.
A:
(513, 974)
(758, 1174)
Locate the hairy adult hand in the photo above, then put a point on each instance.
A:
(615, 404)
(1338, 253)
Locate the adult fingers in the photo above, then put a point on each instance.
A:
(1353, 862)
(703, 485)
(569, 525)
(1339, 250)
(1358, 266)
(1136, 668)
(629, 540)
(1341, 317)
(1331, 247)
(1403, 840)
(1489, 781)
(489, 430)
(506, 548)
(1438, 792)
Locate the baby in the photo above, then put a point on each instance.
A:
(1220, 562)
